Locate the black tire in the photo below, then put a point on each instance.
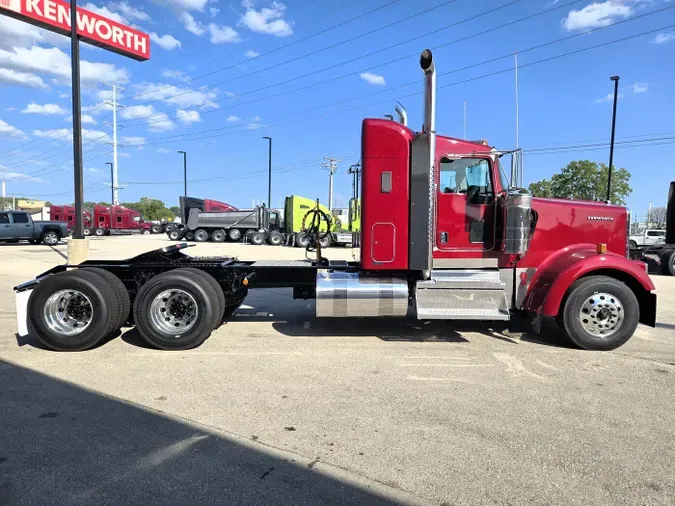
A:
(234, 234)
(301, 240)
(145, 231)
(218, 294)
(201, 235)
(218, 236)
(189, 236)
(621, 302)
(326, 241)
(50, 238)
(257, 238)
(121, 294)
(182, 338)
(157, 228)
(668, 263)
(174, 235)
(632, 245)
(100, 232)
(275, 239)
(104, 310)
(88, 231)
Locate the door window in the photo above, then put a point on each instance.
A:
(656, 233)
(4, 218)
(119, 219)
(468, 176)
(20, 218)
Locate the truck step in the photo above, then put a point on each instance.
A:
(467, 279)
(461, 303)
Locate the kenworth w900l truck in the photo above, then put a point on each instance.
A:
(443, 237)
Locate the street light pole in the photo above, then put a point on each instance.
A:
(77, 122)
(611, 142)
(184, 172)
(112, 181)
(269, 183)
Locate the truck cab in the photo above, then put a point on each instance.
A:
(119, 220)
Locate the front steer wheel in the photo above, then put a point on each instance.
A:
(175, 310)
(73, 311)
(600, 313)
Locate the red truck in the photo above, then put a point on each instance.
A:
(443, 237)
(118, 220)
(67, 214)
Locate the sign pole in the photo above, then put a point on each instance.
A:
(77, 121)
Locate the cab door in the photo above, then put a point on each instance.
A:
(465, 204)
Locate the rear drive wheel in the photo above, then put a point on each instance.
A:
(189, 236)
(88, 231)
(121, 293)
(275, 239)
(50, 238)
(174, 235)
(157, 228)
(218, 294)
(600, 313)
(668, 263)
(99, 232)
(257, 238)
(174, 311)
(234, 234)
(218, 236)
(201, 235)
(72, 311)
(301, 240)
(326, 241)
(145, 231)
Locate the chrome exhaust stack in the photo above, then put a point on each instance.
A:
(429, 128)
(402, 114)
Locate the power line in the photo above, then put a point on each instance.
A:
(181, 137)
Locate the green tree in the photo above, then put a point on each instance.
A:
(585, 180)
(175, 210)
(151, 209)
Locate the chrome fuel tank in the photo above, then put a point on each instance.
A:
(518, 222)
(348, 294)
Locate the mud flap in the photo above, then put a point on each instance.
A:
(648, 309)
(21, 300)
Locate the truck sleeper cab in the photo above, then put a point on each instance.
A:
(443, 237)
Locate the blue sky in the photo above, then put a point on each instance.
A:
(216, 84)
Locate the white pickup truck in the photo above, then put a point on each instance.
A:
(649, 237)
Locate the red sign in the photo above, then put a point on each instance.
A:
(100, 31)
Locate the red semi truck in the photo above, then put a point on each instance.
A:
(118, 220)
(443, 237)
(67, 214)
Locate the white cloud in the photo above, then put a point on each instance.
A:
(8, 175)
(214, 12)
(191, 24)
(163, 150)
(662, 38)
(251, 54)
(188, 117)
(233, 119)
(175, 74)
(137, 111)
(66, 135)
(15, 33)
(47, 109)
(167, 42)
(161, 123)
(191, 5)
(598, 14)
(608, 98)
(221, 34)
(180, 96)
(10, 109)
(55, 62)
(86, 119)
(9, 76)
(7, 130)
(94, 170)
(133, 141)
(267, 20)
(375, 79)
(128, 11)
(104, 11)
(104, 94)
(640, 87)
(98, 108)
(254, 124)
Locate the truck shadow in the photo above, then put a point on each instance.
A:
(64, 444)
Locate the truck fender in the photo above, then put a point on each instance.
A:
(552, 281)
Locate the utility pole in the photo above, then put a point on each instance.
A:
(331, 165)
(78, 233)
(184, 172)
(112, 181)
(269, 184)
(116, 186)
(611, 142)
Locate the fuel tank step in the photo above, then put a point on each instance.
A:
(467, 279)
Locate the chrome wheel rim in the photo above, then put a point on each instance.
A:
(51, 238)
(602, 314)
(174, 312)
(235, 235)
(68, 312)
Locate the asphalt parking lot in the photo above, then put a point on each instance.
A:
(278, 407)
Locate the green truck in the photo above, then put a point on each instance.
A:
(295, 223)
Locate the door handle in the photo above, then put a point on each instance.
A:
(444, 237)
